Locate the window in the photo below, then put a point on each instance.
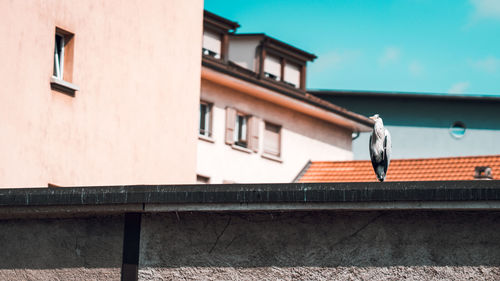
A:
(202, 179)
(205, 128)
(272, 68)
(272, 140)
(285, 70)
(212, 44)
(241, 130)
(457, 130)
(62, 73)
(59, 57)
(292, 74)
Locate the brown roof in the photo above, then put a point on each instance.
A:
(280, 46)
(428, 169)
(218, 22)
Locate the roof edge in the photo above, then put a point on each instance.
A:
(415, 159)
(396, 94)
(273, 42)
(219, 21)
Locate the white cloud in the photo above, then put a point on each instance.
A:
(489, 9)
(458, 88)
(390, 55)
(335, 60)
(415, 68)
(489, 64)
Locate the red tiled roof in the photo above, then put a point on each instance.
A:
(426, 169)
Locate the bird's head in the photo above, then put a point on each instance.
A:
(378, 128)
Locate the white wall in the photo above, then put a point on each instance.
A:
(242, 51)
(303, 138)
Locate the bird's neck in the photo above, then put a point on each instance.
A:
(376, 138)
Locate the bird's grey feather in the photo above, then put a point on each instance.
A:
(387, 150)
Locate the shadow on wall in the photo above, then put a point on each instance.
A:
(321, 239)
(61, 243)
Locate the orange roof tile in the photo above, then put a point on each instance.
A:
(425, 169)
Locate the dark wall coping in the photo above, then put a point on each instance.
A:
(479, 190)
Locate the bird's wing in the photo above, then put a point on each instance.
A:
(387, 150)
(372, 156)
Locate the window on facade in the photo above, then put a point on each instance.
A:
(205, 128)
(202, 179)
(272, 139)
(212, 44)
(241, 130)
(272, 68)
(62, 73)
(59, 57)
(457, 130)
(292, 74)
(63, 55)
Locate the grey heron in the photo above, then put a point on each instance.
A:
(380, 148)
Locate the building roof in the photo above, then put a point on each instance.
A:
(280, 46)
(236, 71)
(218, 22)
(402, 95)
(425, 169)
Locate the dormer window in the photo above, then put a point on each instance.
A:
(212, 44)
(292, 75)
(283, 70)
(272, 68)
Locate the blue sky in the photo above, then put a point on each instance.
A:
(435, 46)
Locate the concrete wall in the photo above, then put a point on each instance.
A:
(61, 249)
(321, 246)
(134, 118)
(383, 245)
(303, 138)
(420, 127)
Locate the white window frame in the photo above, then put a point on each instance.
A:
(241, 130)
(208, 120)
(59, 57)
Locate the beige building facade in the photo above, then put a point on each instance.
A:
(99, 92)
(257, 122)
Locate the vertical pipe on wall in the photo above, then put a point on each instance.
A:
(131, 242)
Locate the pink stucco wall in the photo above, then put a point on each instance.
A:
(137, 64)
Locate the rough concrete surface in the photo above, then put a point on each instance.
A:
(412, 245)
(61, 249)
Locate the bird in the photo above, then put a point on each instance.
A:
(380, 148)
